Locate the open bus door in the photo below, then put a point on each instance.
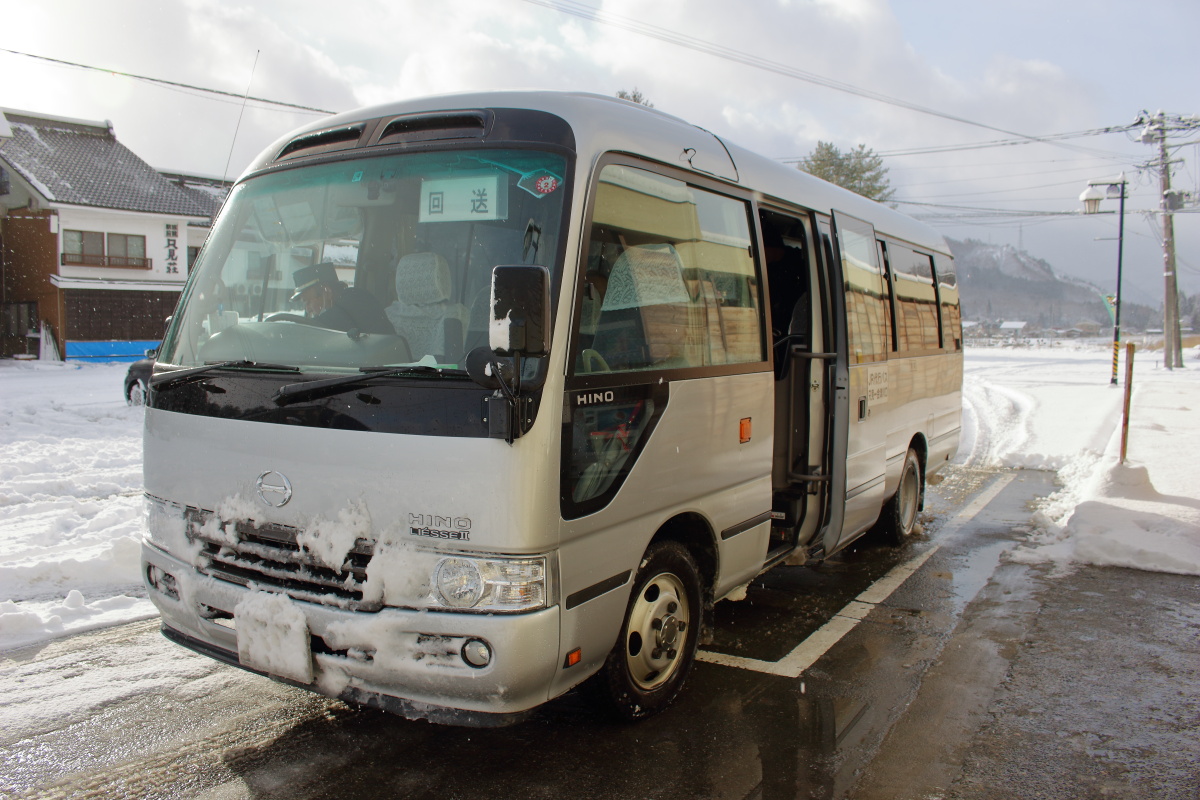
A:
(805, 356)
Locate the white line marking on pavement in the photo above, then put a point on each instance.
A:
(818, 643)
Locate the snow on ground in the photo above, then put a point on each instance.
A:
(71, 475)
(1054, 407)
(70, 501)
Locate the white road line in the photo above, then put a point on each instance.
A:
(816, 645)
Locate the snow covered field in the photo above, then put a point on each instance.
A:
(71, 475)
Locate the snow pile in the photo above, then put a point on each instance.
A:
(70, 501)
(1054, 408)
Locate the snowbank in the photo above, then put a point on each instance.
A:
(70, 501)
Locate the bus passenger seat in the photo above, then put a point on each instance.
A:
(423, 313)
(640, 314)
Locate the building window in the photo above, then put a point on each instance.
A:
(18, 319)
(86, 248)
(125, 250)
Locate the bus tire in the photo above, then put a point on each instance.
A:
(649, 663)
(899, 517)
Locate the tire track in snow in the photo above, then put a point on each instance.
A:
(997, 421)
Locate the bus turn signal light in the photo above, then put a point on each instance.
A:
(744, 429)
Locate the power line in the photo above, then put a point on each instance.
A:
(1006, 176)
(988, 211)
(148, 79)
(1050, 137)
(954, 148)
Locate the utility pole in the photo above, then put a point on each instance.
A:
(1157, 128)
(1172, 343)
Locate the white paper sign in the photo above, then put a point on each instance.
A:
(471, 197)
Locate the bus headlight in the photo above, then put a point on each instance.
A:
(490, 584)
(459, 582)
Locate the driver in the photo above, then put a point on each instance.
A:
(330, 303)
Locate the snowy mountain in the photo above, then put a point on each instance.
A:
(1000, 282)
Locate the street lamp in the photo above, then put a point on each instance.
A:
(1091, 198)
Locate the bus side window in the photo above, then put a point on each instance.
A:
(681, 292)
(916, 300)
(866, 305)
(947, 284)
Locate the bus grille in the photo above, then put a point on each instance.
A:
(267, 557)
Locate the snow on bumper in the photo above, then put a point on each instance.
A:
(405, 661)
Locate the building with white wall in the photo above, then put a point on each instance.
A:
(94, 242)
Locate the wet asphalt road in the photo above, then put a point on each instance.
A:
(976, 678)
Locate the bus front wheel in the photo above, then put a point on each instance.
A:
(899, 517)
(649, 663)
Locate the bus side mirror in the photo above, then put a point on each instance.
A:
(520, 311)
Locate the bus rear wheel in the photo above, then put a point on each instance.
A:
(899, 517)
(648, 665)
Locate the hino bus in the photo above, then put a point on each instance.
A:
(472, 398)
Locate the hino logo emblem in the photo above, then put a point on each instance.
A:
(274, 488)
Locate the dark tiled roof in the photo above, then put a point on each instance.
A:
(84, 164)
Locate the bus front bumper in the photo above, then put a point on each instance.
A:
(412, 663)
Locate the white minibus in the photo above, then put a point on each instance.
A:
(470, 399)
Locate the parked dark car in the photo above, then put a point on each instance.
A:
(137, 381)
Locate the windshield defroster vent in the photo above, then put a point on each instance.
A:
(427, 127)
(322, 142)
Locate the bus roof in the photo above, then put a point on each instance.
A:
(605, 124)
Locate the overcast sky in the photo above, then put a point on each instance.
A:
(1028, 67)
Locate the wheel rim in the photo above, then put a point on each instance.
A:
(909, 487)
(657, 632)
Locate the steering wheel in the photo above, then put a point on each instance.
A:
(284, 316)
(592, 361)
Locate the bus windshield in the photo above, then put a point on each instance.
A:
(367, 263)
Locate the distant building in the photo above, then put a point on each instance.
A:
(95, 244)
(1013, 329)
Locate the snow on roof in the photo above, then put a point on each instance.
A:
(206, 192)
(1012, 325)
(81, 163)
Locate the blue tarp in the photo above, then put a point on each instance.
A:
(108, 351)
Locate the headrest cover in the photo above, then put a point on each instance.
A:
(422, 278)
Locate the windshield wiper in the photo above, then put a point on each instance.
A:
(165, 380)
(309, 389)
